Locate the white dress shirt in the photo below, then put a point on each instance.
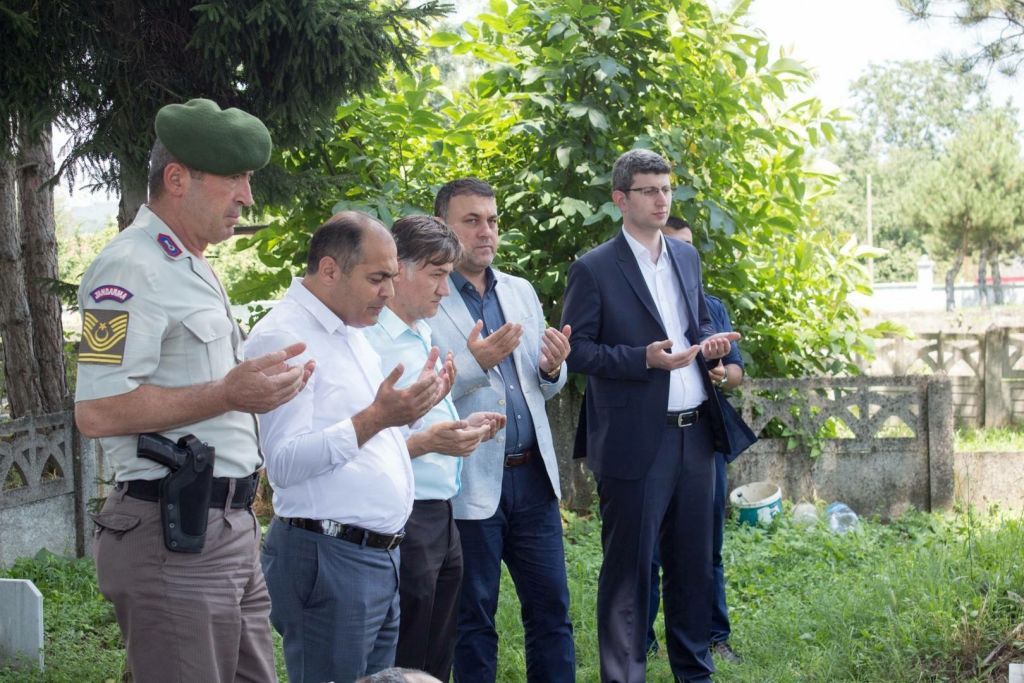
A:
(314, 462)
(685, 388)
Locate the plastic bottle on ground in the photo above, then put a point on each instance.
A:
(805, 514)
(841, 518)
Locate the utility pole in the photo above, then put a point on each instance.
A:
(870, 235)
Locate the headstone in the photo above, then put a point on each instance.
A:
(925, 274)
(21, 623)
(1016, 673)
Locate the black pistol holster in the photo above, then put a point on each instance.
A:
(185, 492)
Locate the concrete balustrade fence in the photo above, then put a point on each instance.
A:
(886, 442)
(48, 475)
(986, 370)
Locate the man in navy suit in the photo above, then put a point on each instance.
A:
(642, 333)
(728, 374)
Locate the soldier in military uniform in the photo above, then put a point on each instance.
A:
(161, 354)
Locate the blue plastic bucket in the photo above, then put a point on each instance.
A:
(757, 502)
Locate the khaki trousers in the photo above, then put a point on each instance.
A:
(186, 618)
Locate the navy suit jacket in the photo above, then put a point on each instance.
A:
(614, 318)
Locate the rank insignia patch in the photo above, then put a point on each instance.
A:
(103, 337)
(168, 244)
(110, 292)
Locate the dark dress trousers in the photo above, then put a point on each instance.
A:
(655, 481)
(720, 627)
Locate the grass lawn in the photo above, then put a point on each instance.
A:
(1000, 439)
(925, 598)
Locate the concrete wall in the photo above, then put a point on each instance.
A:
(986, 370)
(871, 471)
(986, 479)
(882, 482)
(27, 529)
(909, 296)
(878, 475)
(58, 473)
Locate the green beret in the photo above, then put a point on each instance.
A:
(202, 136)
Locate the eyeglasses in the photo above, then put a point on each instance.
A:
(651, 192)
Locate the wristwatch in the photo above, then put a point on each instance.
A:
(722, 382)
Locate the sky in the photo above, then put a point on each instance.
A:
(838, 39)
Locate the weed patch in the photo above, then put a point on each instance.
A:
(82, 641)
(924, 598)
(995, 439)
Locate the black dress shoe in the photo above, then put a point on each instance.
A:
(722, 650)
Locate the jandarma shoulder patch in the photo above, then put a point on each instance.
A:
(103, 337)
(110, 292)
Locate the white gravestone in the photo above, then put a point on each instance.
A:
(21, 622)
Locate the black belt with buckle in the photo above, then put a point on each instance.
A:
(687, 418)
(245, 490)
(347, 532)
(517, 459)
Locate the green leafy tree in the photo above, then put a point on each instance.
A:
(592, 80)
(37, 40)
(903, 113)
(388, 154)
(103, 69)
(971, 198)
(913, 105)
(287, 62)
(568, 86)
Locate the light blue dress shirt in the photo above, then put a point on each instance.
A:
(436, 475)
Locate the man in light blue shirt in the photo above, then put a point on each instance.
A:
(431, 568)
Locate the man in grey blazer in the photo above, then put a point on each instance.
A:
(510, 361)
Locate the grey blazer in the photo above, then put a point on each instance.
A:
(476, 390)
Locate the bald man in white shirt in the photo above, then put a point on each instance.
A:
(339, 460)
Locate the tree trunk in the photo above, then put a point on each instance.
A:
(132, 172)
(954, 268)
(983, 276)
(39, 234)
(997, 281)
(134, 186)
(20, 378)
